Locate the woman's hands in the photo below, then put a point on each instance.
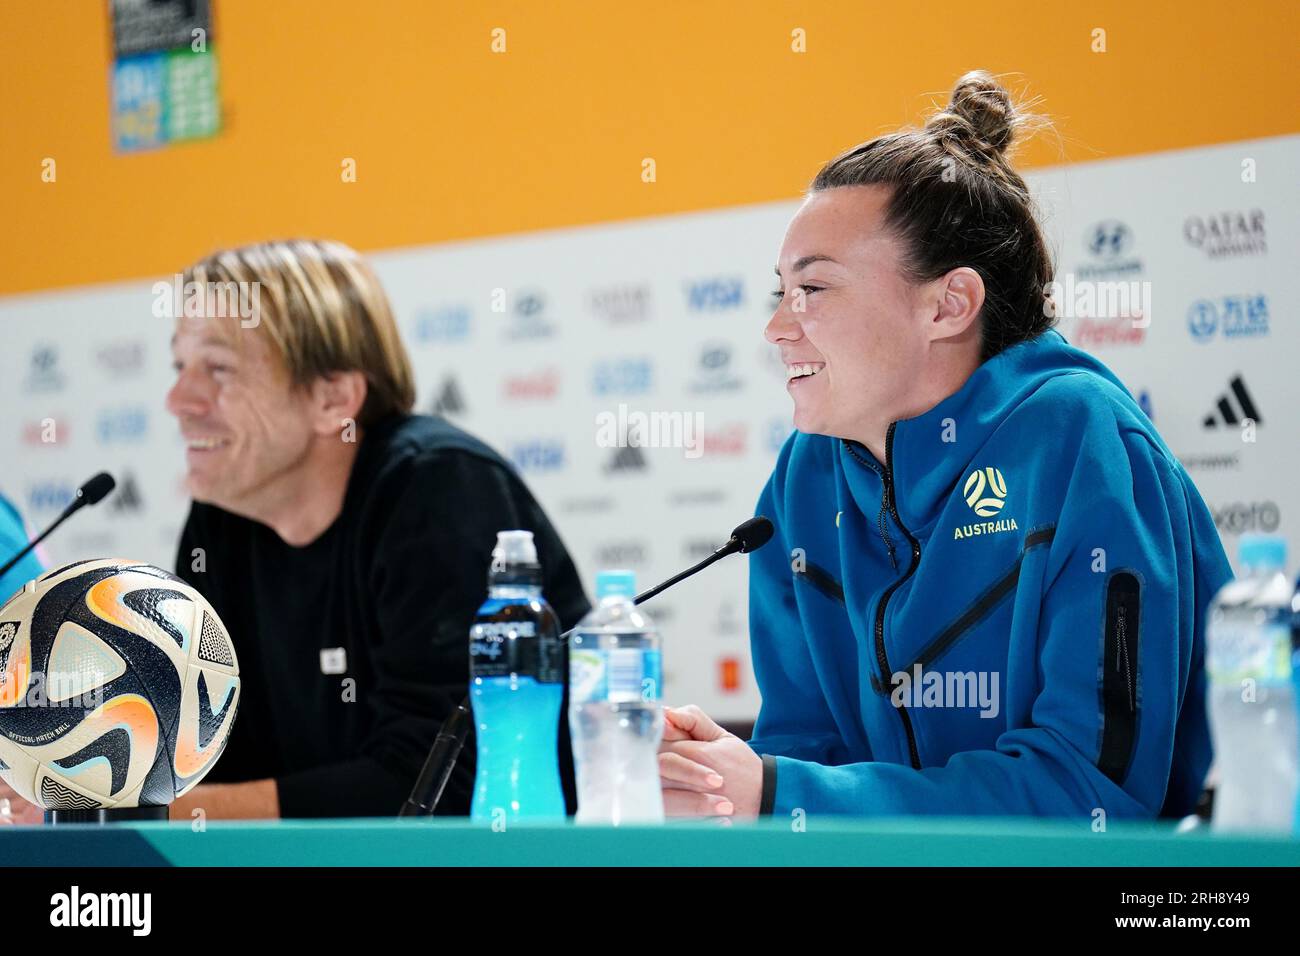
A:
(705, 771)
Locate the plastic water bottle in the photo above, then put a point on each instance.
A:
(516, 685)
(1295, 683)
(615, 718)
(1252, 696)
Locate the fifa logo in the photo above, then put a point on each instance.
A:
(8, 630)
(985, 491)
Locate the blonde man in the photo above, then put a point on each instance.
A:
(344, 541)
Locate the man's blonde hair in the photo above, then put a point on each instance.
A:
(324, 311)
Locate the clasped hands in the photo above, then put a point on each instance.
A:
(704, 770)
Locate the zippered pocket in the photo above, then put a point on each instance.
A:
(821, 580)
(1121, 643)
(984, 604)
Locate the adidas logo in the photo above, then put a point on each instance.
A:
(128, 496)
(449, 400)
(1233, 407)
(627, 458)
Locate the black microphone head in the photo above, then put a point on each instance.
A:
(95, 490)
(753, 534)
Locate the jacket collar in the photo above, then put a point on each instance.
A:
(926, 456)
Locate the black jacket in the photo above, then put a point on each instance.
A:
(394, 582)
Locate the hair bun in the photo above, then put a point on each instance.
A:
(985, 106)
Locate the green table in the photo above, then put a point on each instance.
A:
(824, 842)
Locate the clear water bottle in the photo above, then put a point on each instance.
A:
(1252, 697)
(1295, 684)
(516, 686)
(615, 718)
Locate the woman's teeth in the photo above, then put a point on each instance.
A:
(803, 371)
(204, 443)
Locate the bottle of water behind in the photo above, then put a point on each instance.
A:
(615, 718)
(516, 685)
(1252, 697)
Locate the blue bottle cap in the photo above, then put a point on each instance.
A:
(615, 584)
(1262, 551)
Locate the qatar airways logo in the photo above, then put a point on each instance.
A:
(985, 492)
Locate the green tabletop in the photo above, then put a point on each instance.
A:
(824, 842)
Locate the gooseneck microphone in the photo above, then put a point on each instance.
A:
(91, 493)
(748, 536)
(438, 765)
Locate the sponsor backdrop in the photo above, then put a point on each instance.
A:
(623, 370)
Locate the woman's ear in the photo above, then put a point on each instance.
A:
(960, 298)
(337, 398)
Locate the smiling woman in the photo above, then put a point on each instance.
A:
(930, 391)
(917, 222)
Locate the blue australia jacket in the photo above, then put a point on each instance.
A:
(1006, 616)
(13, 538)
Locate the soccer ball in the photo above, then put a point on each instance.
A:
(118, 687)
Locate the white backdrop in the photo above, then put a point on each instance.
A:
(666, 315)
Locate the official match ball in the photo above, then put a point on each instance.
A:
(118, 687)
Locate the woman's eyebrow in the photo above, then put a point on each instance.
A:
(806, 261)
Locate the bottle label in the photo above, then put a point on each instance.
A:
(518, 647)
(1238, 653)
(617, 675)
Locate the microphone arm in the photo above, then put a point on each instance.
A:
(731, 547)
(92, 492)
(68, 513)
(426, 793)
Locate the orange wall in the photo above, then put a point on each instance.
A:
(452, 141)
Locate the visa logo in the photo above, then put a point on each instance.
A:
(715, 295)
(538, 456)
(51, 496)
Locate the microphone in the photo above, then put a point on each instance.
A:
(748, 536)
(91, 493)
(438, 765)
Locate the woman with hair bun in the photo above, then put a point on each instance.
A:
(988, 586)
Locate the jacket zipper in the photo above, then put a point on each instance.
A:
(889, 502)
(985, 602)
(1121, 654)
(1121, 649)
